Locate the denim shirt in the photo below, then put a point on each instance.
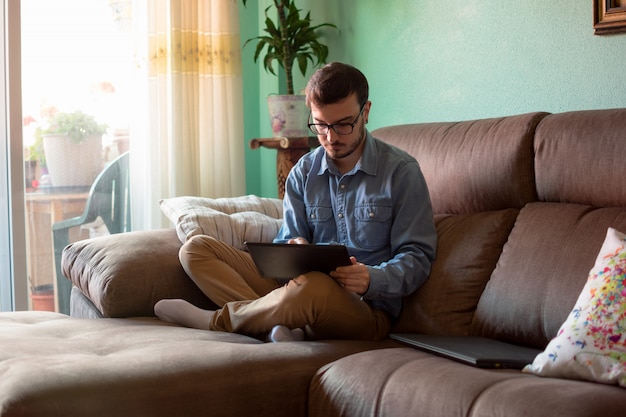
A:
(380, 210)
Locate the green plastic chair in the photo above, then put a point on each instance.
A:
(109, 199)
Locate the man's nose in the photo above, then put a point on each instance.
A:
(331, 135)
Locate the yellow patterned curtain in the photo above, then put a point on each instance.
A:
(195, 144)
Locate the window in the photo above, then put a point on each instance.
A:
(76, 60)
(86, 56)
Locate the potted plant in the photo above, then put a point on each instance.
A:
(41, 296)
(72, 144)
(291, 40)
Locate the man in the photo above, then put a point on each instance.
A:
(353, 190)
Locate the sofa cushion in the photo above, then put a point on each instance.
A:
(543, 267)
(409, 382)
(580, 158)
(232, 220)
(55, 365)
(468, 248)
(125, 274)
(591, 343)
(472, 166)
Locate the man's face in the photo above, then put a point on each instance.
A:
(344, 149)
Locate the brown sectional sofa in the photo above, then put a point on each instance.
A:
(522, 204)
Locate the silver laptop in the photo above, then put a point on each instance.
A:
(286, 261)
(480, 352)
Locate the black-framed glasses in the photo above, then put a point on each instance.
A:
(338, 128)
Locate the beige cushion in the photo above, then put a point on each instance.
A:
(231, 220)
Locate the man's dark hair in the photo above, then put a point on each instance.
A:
(334, 82)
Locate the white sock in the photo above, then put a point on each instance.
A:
(284, 334)
(183, 313)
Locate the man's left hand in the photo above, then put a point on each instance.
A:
(355, 277)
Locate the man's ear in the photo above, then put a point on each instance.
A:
(368, 106)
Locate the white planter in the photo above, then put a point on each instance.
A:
(288, 115)
(72, 164)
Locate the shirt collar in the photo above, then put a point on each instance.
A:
(367, 162)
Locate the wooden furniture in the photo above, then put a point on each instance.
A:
(289, 151)
(44, 208)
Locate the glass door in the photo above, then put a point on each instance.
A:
(77, 71)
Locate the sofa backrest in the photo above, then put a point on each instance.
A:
(580, 158)
(581, 187)
(479, 174)
(522, 205)
(472, 166)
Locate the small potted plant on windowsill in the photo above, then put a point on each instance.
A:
(72, 144)
(291, 40)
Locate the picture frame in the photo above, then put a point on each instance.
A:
(609, 16)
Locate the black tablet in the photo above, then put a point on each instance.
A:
(286, 261)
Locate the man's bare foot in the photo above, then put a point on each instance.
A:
(285, 334)
(183, 313)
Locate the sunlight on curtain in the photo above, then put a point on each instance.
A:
(195, 144)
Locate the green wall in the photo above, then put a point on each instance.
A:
(445, 61)
(257, 84)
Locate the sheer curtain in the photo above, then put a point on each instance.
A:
(190, 139)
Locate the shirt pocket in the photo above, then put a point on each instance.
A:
(321, 222)
(319, 215)
(373, 226)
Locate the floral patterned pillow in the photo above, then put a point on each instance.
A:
(591, 343)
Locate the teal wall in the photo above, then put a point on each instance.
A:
(445, 61)
(257, 84)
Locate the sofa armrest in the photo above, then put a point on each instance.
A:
(125, 274)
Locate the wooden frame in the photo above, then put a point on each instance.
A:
(609, 16)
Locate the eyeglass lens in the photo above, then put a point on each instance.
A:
(339, 128)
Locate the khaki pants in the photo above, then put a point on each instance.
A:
(252, 304)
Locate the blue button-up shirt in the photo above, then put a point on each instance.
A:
(380, 210)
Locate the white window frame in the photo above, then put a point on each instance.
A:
(13, 270)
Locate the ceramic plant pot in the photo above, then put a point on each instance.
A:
(288, 115)
(72, 164)
(42, 298)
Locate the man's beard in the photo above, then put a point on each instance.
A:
(349, 151)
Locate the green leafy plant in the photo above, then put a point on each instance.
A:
(77, 125)
(291, 39)
(36, 152)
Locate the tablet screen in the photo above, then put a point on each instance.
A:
(286, 261)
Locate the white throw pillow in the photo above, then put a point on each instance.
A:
(232, 220)
(591, 343)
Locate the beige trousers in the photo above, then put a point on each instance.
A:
(252, 305)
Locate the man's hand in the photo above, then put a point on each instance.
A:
(298, 241)
(355, 277)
